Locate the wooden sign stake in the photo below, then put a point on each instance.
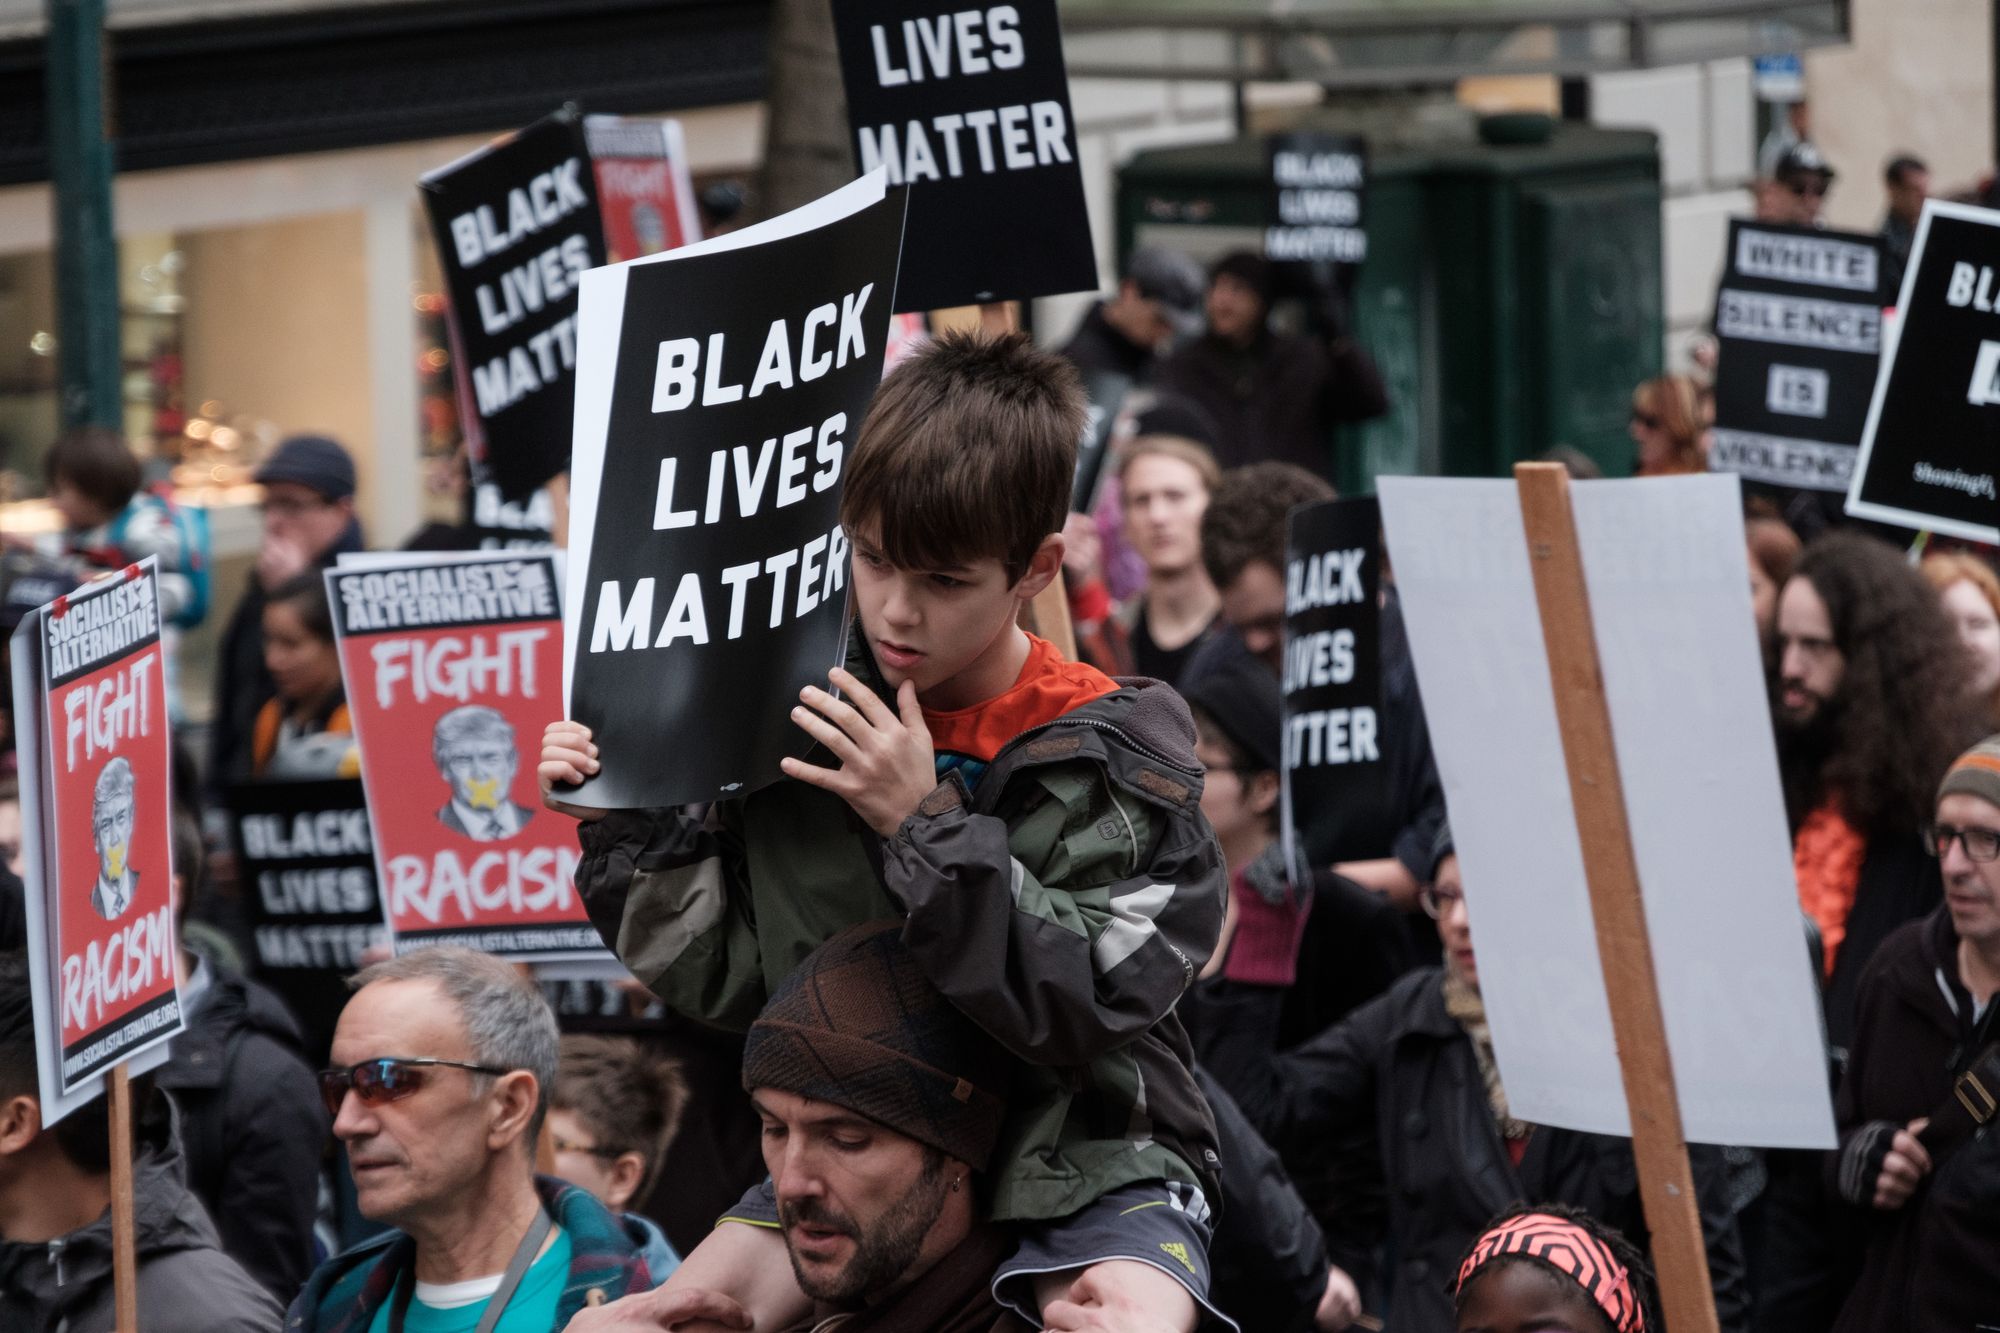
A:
(124, 1228)
(1666, 1182)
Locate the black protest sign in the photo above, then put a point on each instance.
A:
(1928, 458)
(720, 388)
(1106, 391)
(516, 225)
(1332, 675)
(495, 523)
(1798, 326)
(1318, 182)
(970, 107)
(305, 867)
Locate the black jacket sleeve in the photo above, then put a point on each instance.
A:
(1268, 1259)
(269, 1192)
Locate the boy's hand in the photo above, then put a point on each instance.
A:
(1118, 1296)
(886, 764)
(568, 756)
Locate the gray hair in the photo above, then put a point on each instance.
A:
(507, 1022)
(469, 722)
(114, 781)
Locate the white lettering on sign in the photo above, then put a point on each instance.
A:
(682, 361)
(742, 475)
(1797, 391)
(1979, 485)
(1799, 321)
(526, 288)
(117, 708)
(1292, 169)
(1971, 286)
(625, 622)
(271, 837)
(1331, 736)
(506, 380)
(546, 201)
(1331, 578)
(1033, 134)
(1807, 464)
(110, 971)
(1818, 260)
(480, 665)
(533, 879)
(1985, 387)
(1325, 657)
(939, 46)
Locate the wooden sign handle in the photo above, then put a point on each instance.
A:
(124, 1228)
(1624, 950)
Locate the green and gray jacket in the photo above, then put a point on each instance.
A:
(1064, 908)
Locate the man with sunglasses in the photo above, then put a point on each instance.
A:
(1796, 192)
(442, 1063)
(1919, 1155)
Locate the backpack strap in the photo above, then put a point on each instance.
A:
(1973, 1104)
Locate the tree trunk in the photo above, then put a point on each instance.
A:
(806, 149)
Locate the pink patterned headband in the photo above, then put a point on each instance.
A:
(1569, 1249)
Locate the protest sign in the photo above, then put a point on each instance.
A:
(516, 224)
(643, 186)
(96, 814)
(970, 107)
(453, 668)
(1932, 443)
(1798, 327)
(1683, 673)
(1105, 391)
(1318, 183)
(499, 524)
(1332, 676)
(305, 867)
(719, 387)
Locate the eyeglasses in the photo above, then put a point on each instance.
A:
(389, 1079)
(1981, 844)
(562, 1144)
(1436, 902)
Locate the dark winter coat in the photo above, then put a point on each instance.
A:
(242, 682)
(1267, 1263)
(186, 1283)
(252, 1127)
(1098, 348)
(1402, 1069)
(1934, 1263)
(1899, 883)
(1277, 399)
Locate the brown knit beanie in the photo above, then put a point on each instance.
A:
(859, 1025)
(1976, 772)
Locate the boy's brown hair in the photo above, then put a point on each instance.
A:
(95, 461)
(627, 1097)
(968, 452)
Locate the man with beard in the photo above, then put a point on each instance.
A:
(1867, 701)
(1866, 698)
(881, 1104)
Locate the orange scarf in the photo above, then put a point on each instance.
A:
(1826, 858)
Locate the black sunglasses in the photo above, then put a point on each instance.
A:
(389, 1079)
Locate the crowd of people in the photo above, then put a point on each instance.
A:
(1016, 1005)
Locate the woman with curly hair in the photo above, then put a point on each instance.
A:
(1970, 592)
(1869, 703)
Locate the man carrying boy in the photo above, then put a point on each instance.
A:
(1036, 825)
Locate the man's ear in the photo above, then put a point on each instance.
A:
(1043, 566)
(516, 1093)
(627, 1170)
(20, 1123)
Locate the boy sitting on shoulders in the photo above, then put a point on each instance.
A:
(1035, 823)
